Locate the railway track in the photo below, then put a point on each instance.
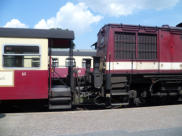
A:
(32, 106)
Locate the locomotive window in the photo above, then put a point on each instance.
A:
(21, 56)
(147, 46)
(125, 45)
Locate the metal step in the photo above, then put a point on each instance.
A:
(165, 94)
(118, 79)
(60, 91)
(118, 85)
(60, 99)
(119, 104)
(59, 107)
(119, 93)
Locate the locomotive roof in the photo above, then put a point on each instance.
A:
(166, 27)
(37, 33)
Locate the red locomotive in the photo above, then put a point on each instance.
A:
(143, 61)
(133, 65)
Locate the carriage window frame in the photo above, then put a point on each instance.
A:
(68, 62)
(55, 62)
(83, 63)
(22, 54)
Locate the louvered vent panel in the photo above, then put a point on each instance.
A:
(147, 47)
(125, 45)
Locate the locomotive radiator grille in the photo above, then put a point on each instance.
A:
(147, 47)
(128, 48)
(125, 46)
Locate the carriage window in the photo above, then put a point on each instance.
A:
(21, 56)
(55, 62)
(83, 63)
(10, 49)
(69, 61)
(147, 46)
(125, 45)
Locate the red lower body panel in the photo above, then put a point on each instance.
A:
(63, 72)
(28, 84)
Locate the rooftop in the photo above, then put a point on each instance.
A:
(36, 33)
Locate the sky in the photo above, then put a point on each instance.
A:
(86, 17)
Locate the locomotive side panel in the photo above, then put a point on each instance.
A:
(142, 51)
(29, 69)
(170, 52)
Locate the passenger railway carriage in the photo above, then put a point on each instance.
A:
(61, 61)
(25, 61)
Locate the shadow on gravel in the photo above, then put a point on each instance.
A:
(2, 115)
(159, 132)
(23, 106)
